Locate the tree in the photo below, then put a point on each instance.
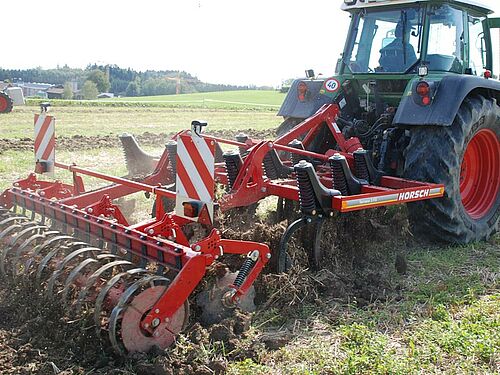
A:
(100, 79)
(68, 91)
(89, 90)
(133, 89)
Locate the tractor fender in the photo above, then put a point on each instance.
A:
(448, 95)
(294, 107)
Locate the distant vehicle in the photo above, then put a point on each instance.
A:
(9, 97)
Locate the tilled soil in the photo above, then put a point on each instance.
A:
(81, 142)
(35, 338)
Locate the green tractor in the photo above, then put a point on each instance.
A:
(415, 85)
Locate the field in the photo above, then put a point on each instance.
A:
(356, 316)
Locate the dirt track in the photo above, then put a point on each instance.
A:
(80, 142)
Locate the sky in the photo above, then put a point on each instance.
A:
(259, 42)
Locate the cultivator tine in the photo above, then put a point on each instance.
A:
(311, 241)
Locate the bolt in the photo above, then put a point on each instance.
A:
(263, 189)
(42, 193)
(90, 210)
(167, 320)
(270, 144)
(268, 256)
(197, 247)
(156, 334)
(146, 325)
(151, 231)
(157, 311)
(302, 163)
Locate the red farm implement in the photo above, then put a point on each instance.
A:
(78, 246)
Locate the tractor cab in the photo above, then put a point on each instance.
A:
(397, 37)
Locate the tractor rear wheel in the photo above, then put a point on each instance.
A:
(465, 157)
(5, 103)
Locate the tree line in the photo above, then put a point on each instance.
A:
(96, 79)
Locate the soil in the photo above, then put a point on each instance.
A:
(81, 142)
(35, 338)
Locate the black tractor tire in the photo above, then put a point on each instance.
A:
(288, 124)
(470, 208)
(6, 103)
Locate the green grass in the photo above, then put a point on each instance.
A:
(91, 121)
(264, 98)
(448, 321)
(254, 100)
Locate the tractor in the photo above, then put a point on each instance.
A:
(9, 97)
(414, 85)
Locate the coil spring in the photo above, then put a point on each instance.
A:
(360, 166)
(172, 155)
(307, 198)
(269, 166)
(244, 271)
(233, 162)
(339, 180)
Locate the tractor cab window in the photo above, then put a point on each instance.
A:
(446, 45)
(477, 47)
(384, 41)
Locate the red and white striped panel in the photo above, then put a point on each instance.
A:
(45, 138)
(195, 172)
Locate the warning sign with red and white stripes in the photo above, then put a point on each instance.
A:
(195, 177)
(45, 142)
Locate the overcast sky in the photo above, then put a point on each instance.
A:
(221, 41)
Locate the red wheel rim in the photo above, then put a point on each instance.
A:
(480, 174)
(3, 104)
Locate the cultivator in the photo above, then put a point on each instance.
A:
(136, 279)
(313, 164)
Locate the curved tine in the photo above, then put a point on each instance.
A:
(24, 248)
(69, 247)
(93, 278)
(121, 306)
(283, 246)
(26, 231)
(313, 245)
(43, 264)
(54, 241)
(9, 229)
(72, 276)
(64, 262)
(12, 243)
(105, 290)
(13, 218)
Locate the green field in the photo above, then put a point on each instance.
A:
(265, 98)
(443, 316)
(254, 100)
